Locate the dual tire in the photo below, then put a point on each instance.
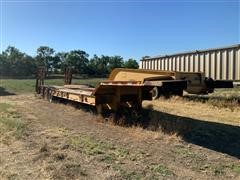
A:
(157, 91)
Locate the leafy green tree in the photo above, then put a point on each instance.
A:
(3, 65)
(13, 58)
(26, 66)
(99, 65)
(131, 63)
(78, 61)
(45, 57)
(16, 63)
(61, 62)
(115, 62)
(93, 65)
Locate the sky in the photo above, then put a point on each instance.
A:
(129, 28)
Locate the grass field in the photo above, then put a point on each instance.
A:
(190, 137)
(10, 121)
(19, 86)
(42, 140)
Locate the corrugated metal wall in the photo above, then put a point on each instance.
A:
(219, 63)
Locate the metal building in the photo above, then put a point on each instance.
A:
(218, 63)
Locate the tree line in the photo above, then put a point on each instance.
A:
(13, 62)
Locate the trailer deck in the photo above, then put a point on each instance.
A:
(110, 95)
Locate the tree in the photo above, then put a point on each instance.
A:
(3, 65)
(45, 57)
(115, 62)
(61, 62)
(131, 63)
(99, 65)
(26, 66)
(13, 58)
(45, 51)
(78, 61)
(16, 63)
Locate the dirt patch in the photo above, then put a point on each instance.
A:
(63, 142)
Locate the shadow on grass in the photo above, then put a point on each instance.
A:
(3, 92)
(219, 137)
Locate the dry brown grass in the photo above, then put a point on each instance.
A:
(197, 110)
(64, 142)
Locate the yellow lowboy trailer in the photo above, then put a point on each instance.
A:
(129, 87)
(108, 95)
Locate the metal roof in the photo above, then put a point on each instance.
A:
(191, 52)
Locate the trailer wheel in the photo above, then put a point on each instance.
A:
(50, 97)
(155, 93)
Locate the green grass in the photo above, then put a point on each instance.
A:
(236, 168)
(161, 170)
(92, 147)
(196, 161)
(70, 169)
(19, 86)
(88, 146)
(10, 121)
(218, 170)
(107, 153)
(4, 107)
(126, 174)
